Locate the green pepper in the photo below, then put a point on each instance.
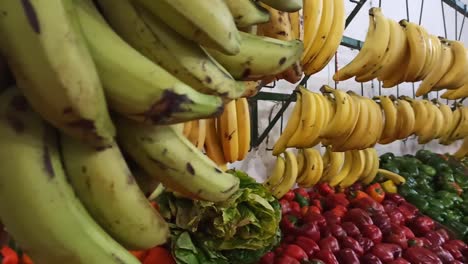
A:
(465, 220)
(452, 216)
(424, 188)
(436, 204)
(424, 155)
(446, 198)
(461, 179)
(406, 190)
(439, 216)
(391, 166)
(428, 170)
(463, 206)
(419, 201)
(410, 181)
(384, 158)
(459, 229)
(301, 200)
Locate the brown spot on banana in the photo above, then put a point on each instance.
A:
(31, 15)
(47, 161)
(190, 168)
(282, 60)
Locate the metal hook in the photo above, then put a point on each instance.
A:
(463, 23)
(421, 12)
(443, 17)
(414, 93)
(456, 23)
(407, 11)
(398, 90)
(362, 89)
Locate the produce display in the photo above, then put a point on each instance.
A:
(121, 122)
(436, 184)
(359, 225)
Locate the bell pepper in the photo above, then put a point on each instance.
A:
(420, 255)
(428, 170)
(351, 229)
(295, 208)
(386, 252)
(396, 217)
(356, 195)
(351, 243)
(376, 192)
(395, 197)
(315, 218)
(296, 252)
(285, 259)
(285, 207)
(422, 224)
(301, 200)
(408, 210)
(417, 242)
(326, 256)
(386, 157)
(139, 254)
(325, 189)
(303, 192)
(419, 201)
(389, 205)
(365, 243)
(372, 232)
(339, 210)
(399, 261)
(382, 221)
(8, 255)
(451, 215)
(408, 233)
(334, 199)
(310, 230)
(288, 224)
(25, 259)
(397, 239)
(405, 189)
(317, 203)
(389, 187)
(370, 259)
(452, 246)
(337, 231)
(313, 209)
(289, 196)
(359, 217)
(348, 256)
(268, 258)
(369, 205)
(443, 254)
(329, 243)
(308, 245)
(159, 255)
(331, 217)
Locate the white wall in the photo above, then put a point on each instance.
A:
(260, 161)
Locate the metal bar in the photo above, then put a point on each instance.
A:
(354, 12)
(456, 23)
(457, 5)
(407, 11)
(351, 43)
(463, 23)
(253, 121)
(443, 17)
(276, 97)
(421, 12)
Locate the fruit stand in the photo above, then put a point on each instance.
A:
(233, 132)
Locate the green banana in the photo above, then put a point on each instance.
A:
(164, 153)
(135, 86)
(259, 57)
(284, 5)
(247, 12)
(208, 23)
(39, 207)
(181, 57)
(43, 45)
(146, 183)
(105, 185)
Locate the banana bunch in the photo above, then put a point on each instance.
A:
(284, 175)
(462, 152)
(324, 24)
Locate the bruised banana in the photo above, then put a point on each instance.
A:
(259, 57)
(284, 5)
(181, 57)
(209, 23)
(247, 12)
(39, 207)
(229, 132)
(164, 153)
(156, 96)
(61, 84)
(105, 185)
(277, 174)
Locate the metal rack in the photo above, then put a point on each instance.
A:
(285, 99)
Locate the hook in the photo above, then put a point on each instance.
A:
(443, 17)
(398, 90)
(414, 93)
(456, 22)
(421, 12)
(380, 88)
(407, 11)
(362, 89)
(463, 22)
(380, 3)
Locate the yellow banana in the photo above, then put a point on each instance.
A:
(406, 119)
(356, 170)
(187, 128)
(456, 74)
(243, 126)
(375, 167)
(417, 48)
(456, 93)
(300, 162)
(290, 176)
(345, 116)
(296, 29)
(308, 120)
(368, 163)
(193, 136)
(201, 134)
(313, 170)
(447, 138)
(291, 127)
(390, 113)
(439, 122)
(396, 178)
(426, 132)
(213, 147)
(345, 170)
(229, 132)
(429, 58)
(461, 130)
(448, 118)
(334, 166)
(420, 112)
(317, 16)
(376, 122)
(463, 150)
(276, 175)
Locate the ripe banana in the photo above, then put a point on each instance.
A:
(426, 132)
(39, 207)
(289, 177)
(247, 12)
(300, 162)
(193, 136)
(326, 22)
(447, 138)
(417, 47)
(373, 50)
(307, 122)
(368, 163)
(201, 133)
(313, 168)
(456, 75)
(375, 167)
(335, 179)
(376, 122)
(291, 127)
(284, 5)
(461, 130)
(312, 12)
(187, 128)
(439, 122)
(296, 25)
(456, 93)
(167, 155)
(463, 150)
(391, 117)
(181, 57)
(396, 178)
(406, 119)
(448, 118)
(356, 170)
(259, 57)
(334, 166)
(213, 146)
(333, 40)
(157, 96)
(208, 23)
(105, 185)
(277, 173)
(436, 73)
(61, 84)
(229, 132)
(243, 127)
(420, 112)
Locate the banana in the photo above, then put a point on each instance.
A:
(326, 22)
(417, 47)
(391, 117)
(334, 166)
(229, 132)
(193, 136)
(167, 155)
(284, 5)
(393, 56)
(201, 133)
(313, 12)
(448, 118)
(431, 54)
(277, 173)
(39, 207)
(313, 168)
(456, 75)
(4, 74)
(406, 119)
(259, 57)
(289, 177)
(328, 111)
(243, 127)
(420, 112)
(187, 128)
(208, 23)
(396, 178)
(251, 88)
(146, 183)
(373, 50)
(308, 120)
(439, 122)
(376, 123)
(368, 163)
(375, 167)
(398, 75)
(356, 170)
(335, 179)
(303, 165)
(181, 57)
(463, 150)
(329, 48)
(61, 84)
(461, 130)
(247, 12)
(456, 93)
(105, 185)
(436, 73)
(300, 162)
(345, 116)
(447, 138)
(296, 28)
(291, 127)
(157, 96)
(213, 146)
(426, 132)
